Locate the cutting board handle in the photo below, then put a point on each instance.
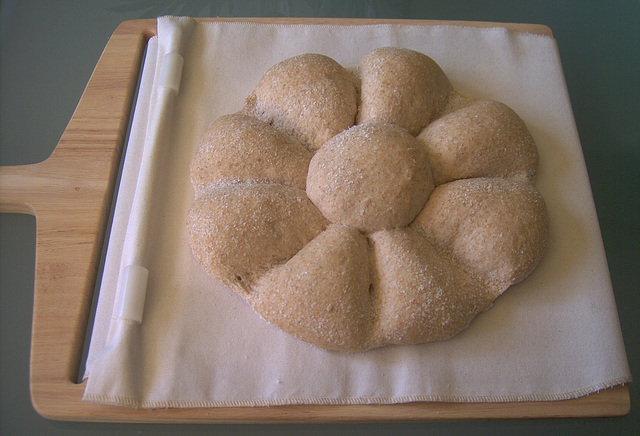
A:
(19, 186)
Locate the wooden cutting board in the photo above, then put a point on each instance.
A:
(70, 194)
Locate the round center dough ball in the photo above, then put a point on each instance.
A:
(373, 176)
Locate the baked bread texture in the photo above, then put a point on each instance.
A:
(359, 208)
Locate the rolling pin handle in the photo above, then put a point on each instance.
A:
(171, 71)
(132, 293)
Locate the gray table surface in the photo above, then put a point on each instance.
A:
(49, 49)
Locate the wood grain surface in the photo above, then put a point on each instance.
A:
(70, 194)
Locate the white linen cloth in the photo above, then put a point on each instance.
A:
(554, 336)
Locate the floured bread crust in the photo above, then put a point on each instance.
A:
(228, 152)
(401, 87)
(341, 184)
(485, 138)
(496, 228)
(240, 231)
(322, 294)
(421, 294)
(353, 223)
(325, 103)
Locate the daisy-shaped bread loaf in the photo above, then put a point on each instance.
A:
(364, 207)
